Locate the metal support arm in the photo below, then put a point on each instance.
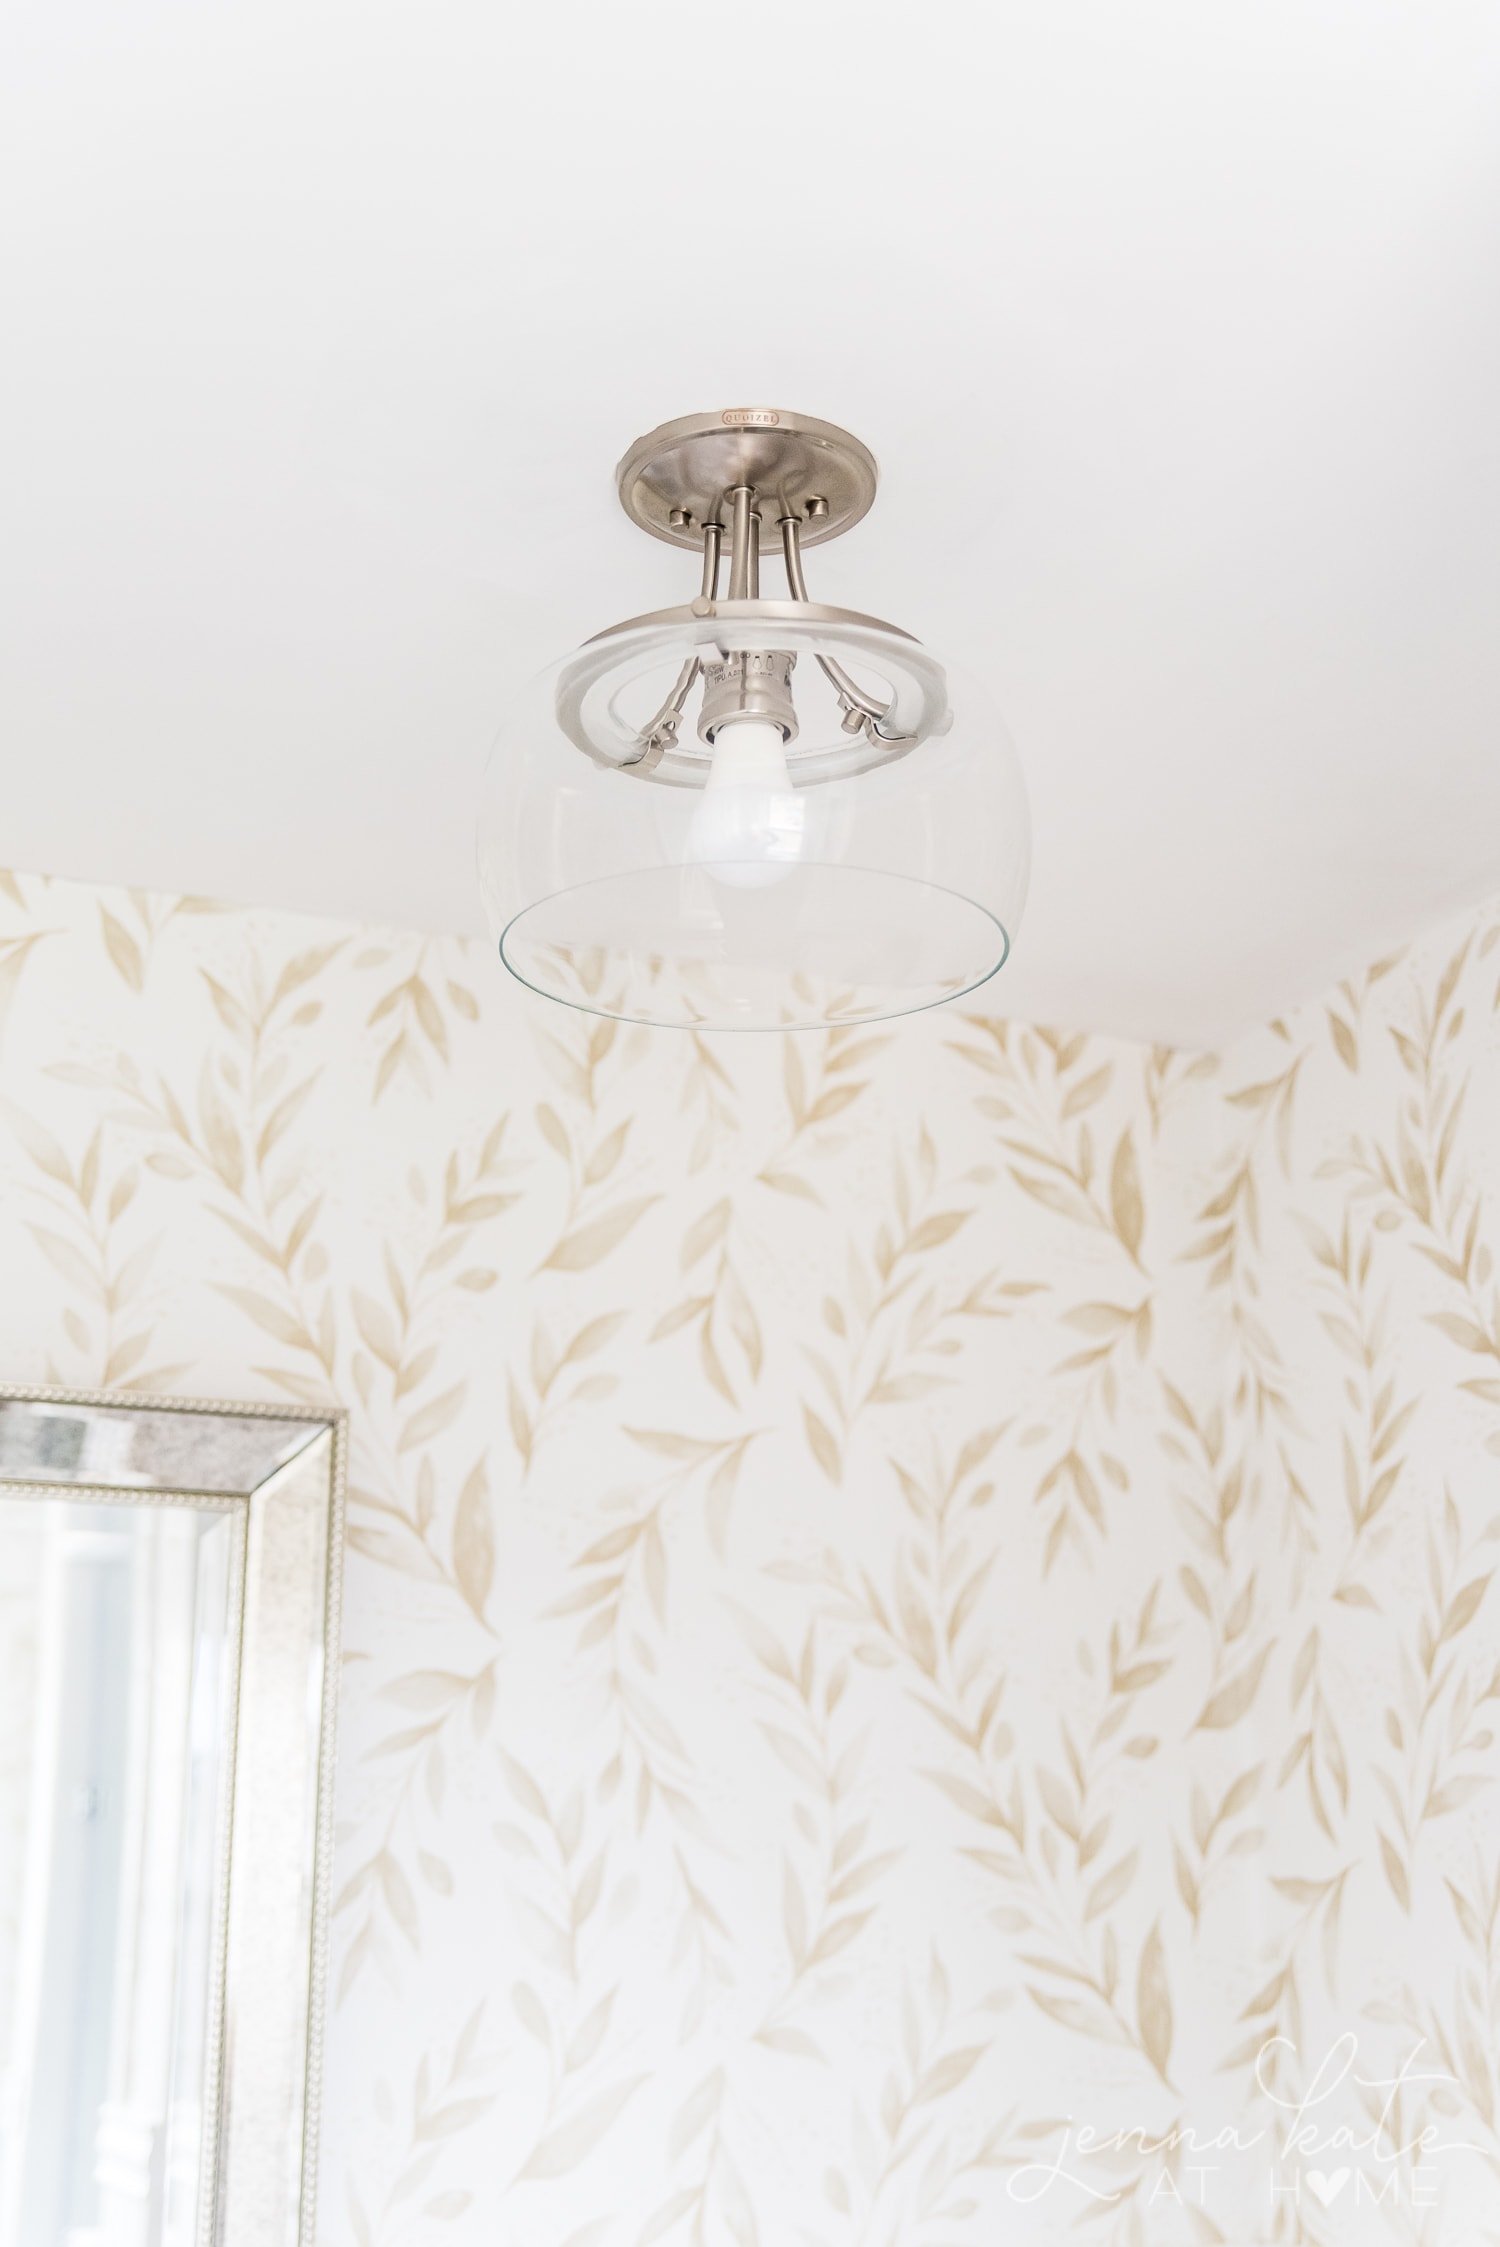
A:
(659, 734)
(863, 713)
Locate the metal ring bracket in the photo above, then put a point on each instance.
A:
(592, 690)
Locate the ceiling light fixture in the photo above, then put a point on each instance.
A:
(748, 813)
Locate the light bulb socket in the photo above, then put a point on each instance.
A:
(748, 683)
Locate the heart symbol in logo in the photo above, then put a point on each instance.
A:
(1328, 2188)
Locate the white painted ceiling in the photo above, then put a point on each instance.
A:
(1175, 327)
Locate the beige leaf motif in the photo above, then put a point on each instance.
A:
(429, 1423)
(522, 1432)
(1395, 1872)
(123, 949)
(823, 1445)
(934, 1230)
(66, 1260)
(45, 1150)
(1153, 2002)
(269, 1316)
(1125, 1202)
(573, 2141)
(1111, 1886)
(1464, 1606)
(589, 1244)
(1233, 1700)
(474, 1541)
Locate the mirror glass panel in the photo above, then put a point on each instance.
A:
(119, 1651)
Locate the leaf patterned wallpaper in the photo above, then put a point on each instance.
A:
(922, 1658)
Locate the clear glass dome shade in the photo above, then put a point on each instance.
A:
(754, 881)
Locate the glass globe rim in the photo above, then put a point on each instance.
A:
(744, 1029)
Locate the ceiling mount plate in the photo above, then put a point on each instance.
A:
(673, 481)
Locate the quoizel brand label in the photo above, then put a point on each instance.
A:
(749, 417)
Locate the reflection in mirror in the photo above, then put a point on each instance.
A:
(119, 1647)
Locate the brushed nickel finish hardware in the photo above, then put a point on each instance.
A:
(750, 683)
(862, 713)
(717, 483)
(677, 477)
(744, 551)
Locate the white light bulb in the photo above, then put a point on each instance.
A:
(748, 827)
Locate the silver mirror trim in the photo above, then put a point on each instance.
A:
(261, 2174)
